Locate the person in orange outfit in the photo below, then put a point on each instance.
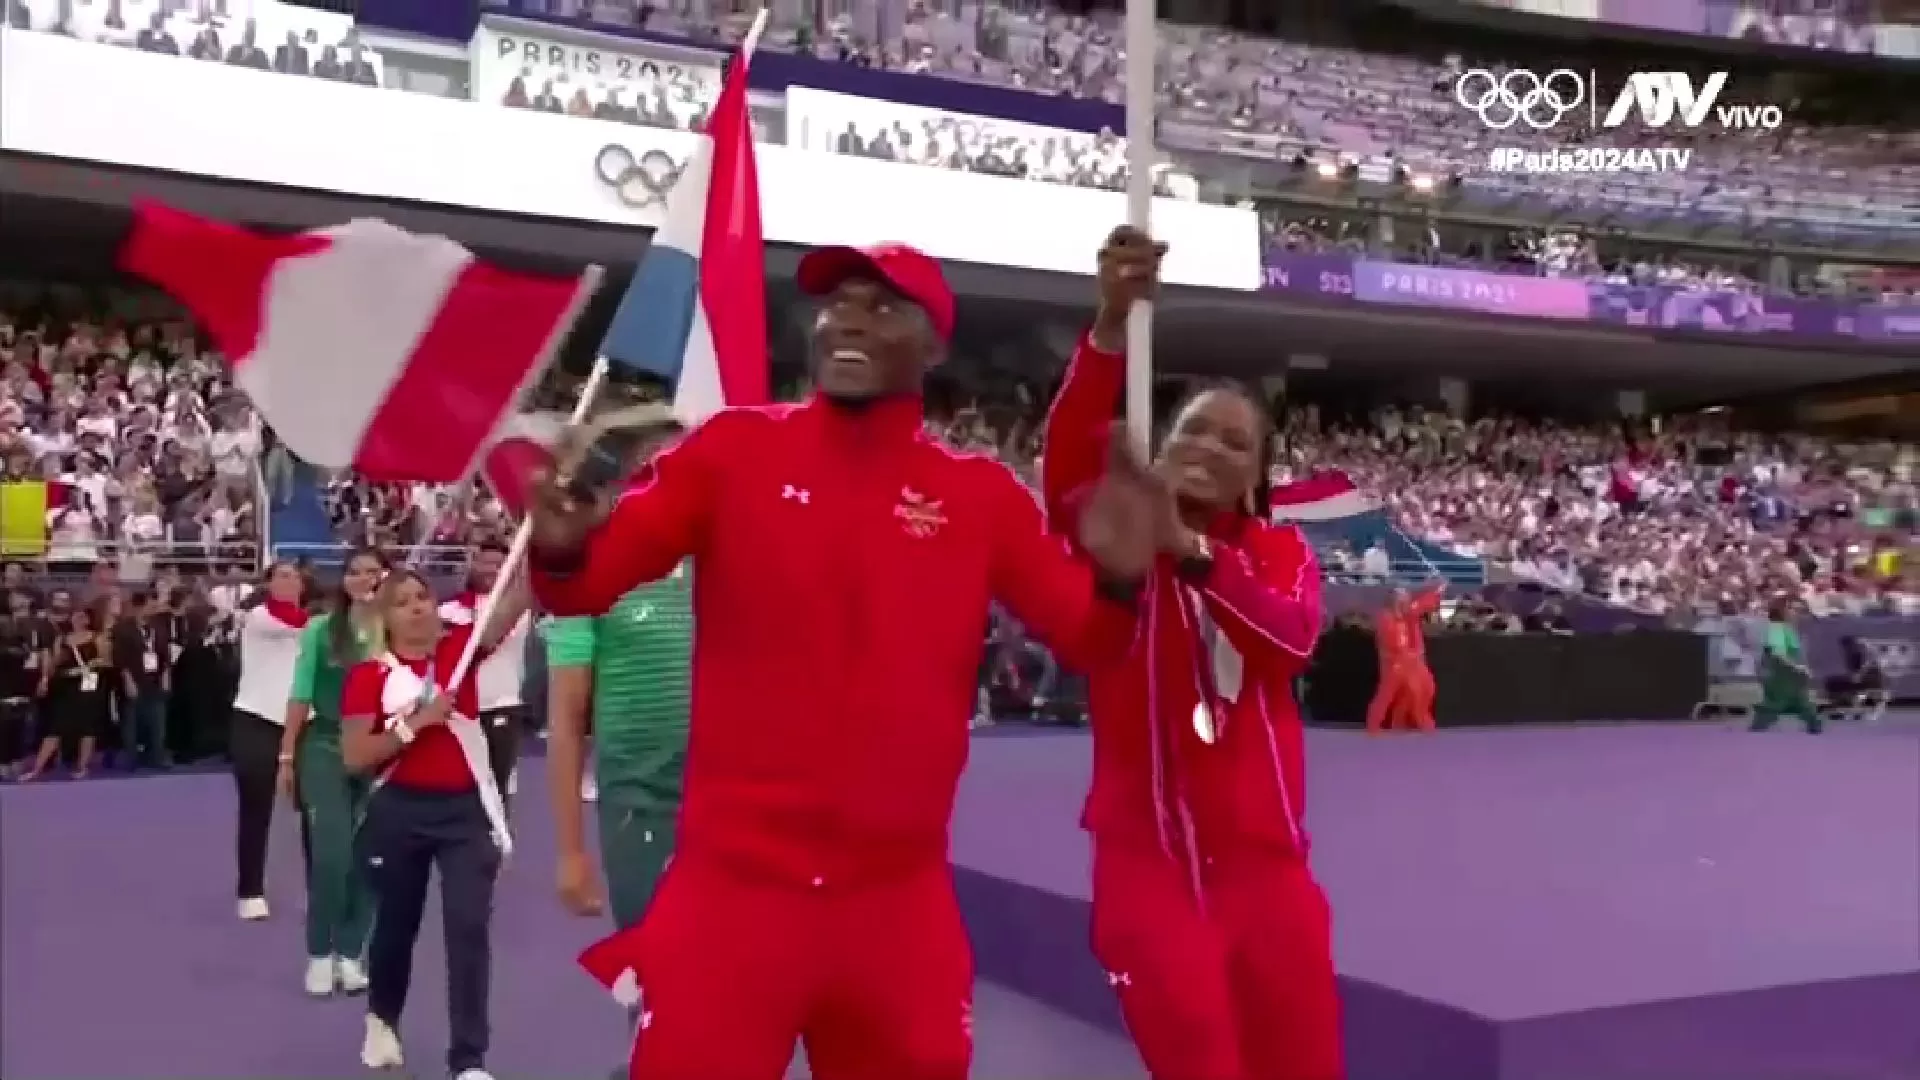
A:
(1214, 933)
(1403, 698)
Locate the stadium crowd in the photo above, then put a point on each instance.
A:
(146, 448)
(1683, 522)
(149, 457)
(1234, 109)
(1229, 98)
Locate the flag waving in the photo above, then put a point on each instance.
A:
(364, 345)
(1323, 496)
(696, 312)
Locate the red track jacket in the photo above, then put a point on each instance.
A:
(843, 566)
(1154, 781)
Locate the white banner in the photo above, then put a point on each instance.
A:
(264, 35)
(889, 131)
(148, 111)
(543, 73)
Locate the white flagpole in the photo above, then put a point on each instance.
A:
(1141, 39)
(752, 40)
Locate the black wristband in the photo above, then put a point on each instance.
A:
(1122, 591)
(557, 564)
(1194, 569)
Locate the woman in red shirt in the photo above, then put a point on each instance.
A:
(435, 804)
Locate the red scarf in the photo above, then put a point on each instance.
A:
(290, 614)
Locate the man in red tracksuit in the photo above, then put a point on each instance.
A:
(844, 562)
(1212, 929)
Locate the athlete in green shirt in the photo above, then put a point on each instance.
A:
(329, 798)
(1785, 681)
(629, 671)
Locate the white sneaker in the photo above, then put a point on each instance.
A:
(320, 976)
(473, 1074)
(589, 790)
(381, 1049)
(253, 908)
(351, 976)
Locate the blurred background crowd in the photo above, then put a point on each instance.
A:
(152, 462)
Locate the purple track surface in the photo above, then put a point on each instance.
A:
(1637, 902)
(121, 958)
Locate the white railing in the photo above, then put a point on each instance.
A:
(139, 561)
(432, 559)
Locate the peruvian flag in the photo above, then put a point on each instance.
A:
(364, 345)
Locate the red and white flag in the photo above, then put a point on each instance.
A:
(1323, 496)
(364, 345)
(524, 446)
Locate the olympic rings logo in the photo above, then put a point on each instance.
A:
(640, 182)
(1518, 96)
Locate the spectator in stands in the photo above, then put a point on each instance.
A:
(74, 686)
(143, 648)
(22, 657)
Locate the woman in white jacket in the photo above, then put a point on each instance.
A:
(268, 625)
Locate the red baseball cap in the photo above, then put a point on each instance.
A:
(911, 272)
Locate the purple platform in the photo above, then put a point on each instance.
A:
(1623, 903)
(121, 958)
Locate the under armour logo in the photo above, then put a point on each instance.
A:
(1119, 978)
(626, 989)
(797, 494)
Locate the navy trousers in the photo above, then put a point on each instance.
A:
(405, 835)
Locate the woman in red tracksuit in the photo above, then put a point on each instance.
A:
(1212, 929)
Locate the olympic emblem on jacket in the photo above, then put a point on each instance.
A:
(919, 516)
(640, 182)
(1518, 96)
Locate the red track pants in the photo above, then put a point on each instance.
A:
(1403, 698)
(1242, 991)
(876, 979)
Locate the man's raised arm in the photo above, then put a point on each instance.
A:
(587, 555)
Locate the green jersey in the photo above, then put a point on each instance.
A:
(641, 653)
(1783, 642)
(317, 679)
